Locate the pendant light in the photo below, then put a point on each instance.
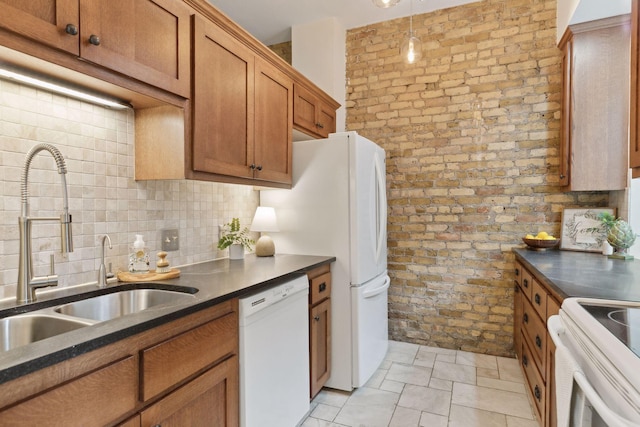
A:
(385, 3)
(411, 48)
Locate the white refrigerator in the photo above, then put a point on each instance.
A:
(338, 206)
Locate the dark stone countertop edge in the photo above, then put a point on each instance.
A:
(33, 357)
(583, 274)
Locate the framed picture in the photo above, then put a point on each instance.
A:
(582, 230)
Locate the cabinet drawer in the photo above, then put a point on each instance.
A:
(535, 331)
(320, 288)
(553, 307)
(539, 299)
(518, 273)
(208, 400)
(534, 380)
(95, 399)
(526, 283)
(178, 358)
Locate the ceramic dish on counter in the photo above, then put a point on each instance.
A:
(540, 244)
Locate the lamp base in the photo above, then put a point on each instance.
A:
(265, 246)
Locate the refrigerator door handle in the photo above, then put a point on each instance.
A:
(377, 291)
(381, 203)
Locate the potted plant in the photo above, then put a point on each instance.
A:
(619, 235)
(235, 239)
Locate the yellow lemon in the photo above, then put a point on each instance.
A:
(549, 237)
(542, 235)
(529, 236)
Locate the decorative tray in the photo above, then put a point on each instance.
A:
(125, 276)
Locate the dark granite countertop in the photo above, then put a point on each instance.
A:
(583, 274)
(216, 281)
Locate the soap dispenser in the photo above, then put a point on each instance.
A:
(139, 256)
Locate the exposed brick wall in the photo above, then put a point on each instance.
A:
(283, 50)
(472, 136)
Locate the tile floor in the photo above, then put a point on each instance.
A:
(419, 386)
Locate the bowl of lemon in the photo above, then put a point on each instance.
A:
(540, 241)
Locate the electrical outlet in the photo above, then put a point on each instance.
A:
(170, 239)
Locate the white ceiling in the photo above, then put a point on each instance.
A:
(270, 21)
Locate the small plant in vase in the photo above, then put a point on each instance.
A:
(619, 235)
(235, 239)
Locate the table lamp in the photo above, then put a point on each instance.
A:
(265, 221)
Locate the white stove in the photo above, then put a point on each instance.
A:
(597, 362)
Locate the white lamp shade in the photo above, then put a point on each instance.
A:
(264, 220)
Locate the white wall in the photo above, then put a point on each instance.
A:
(577, 11)
(318, 52)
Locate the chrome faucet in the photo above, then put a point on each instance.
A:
(27, 283)
(102, 271)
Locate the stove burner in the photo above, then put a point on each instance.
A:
(619, 316)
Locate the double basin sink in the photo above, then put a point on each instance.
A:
(23, 329)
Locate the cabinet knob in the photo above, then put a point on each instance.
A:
(525, 318)
(252, 166)
(537, 298)
(320, 125)
(316, 318)
(517, 272)
(538, 341)
(259, 167)
(525, 361)
(537, 393)
(94, 40)
(322, 287)
(71, 30)
(562, 176)
(525, 283)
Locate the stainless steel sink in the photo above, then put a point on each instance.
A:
(23, 329)
(111, 306)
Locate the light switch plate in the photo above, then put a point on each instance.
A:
(170, 239)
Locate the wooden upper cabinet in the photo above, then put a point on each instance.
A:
(242, 110)
(144, 39)
(634, 125)
(223, 93)
(313, 115)
(564, 167)
(147, 40)
(595, 132)
(44, 21)
(273, 123)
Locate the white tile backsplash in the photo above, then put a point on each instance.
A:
(98, 146)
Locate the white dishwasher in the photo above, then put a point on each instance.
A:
(274, 355)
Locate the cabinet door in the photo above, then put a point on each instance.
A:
(304, 110)
(223, 93)
(43, 20)
(600, 105)
(517, 321)
(634, 125)
(273, 124)
(209, 400)
(145, 39)
(564, 170)
(94, 399)
(326, 120)
(320, 345)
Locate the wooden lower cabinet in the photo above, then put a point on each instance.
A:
(204, 402)
(319, 327)
(98, 398)
(533, 305)
(182, 373)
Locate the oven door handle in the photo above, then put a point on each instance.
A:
(556, 330)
